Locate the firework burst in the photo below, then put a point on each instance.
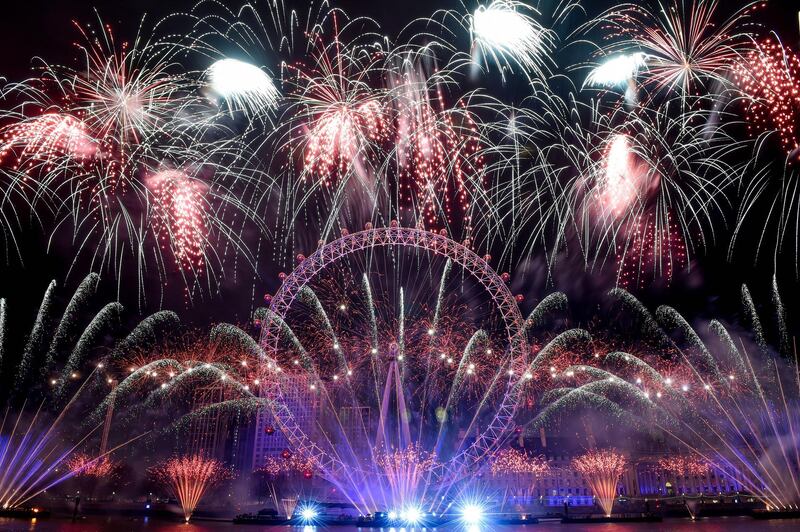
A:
(181, 215)
(685, 48)
(506, 31)
(769, 77)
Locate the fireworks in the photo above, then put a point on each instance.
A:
(87, 142)
(438, 155)
(730, 409)
(188, 478)
(602, 471)
(180, 214)
(396, 384)
(684, 466)
(769, 77)
(515, 462)
(405, 470)
(45, 139)
(83, 465)
(617, 70)
(129, 150)
(243, 86)
(275, 467)
(684, 47)
(339, 134)
(653, 251)
(620, 186)
(503, 31)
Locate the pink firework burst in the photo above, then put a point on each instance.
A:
(339, 134)
(683, 466)
(515, 462)
(623, 182)
(45, 140)
(180, 215)
(769, 77)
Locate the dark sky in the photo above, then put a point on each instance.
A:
(42, 27)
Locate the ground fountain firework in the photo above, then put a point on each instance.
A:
(602, 470)
(189, 478)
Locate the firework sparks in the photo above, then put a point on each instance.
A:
(339, 134)
(83, 465)
(180, 215)
(243, 86)
(769, 77)
(655, 250)
(602, 470)
(405, 470)
(189, 478)
(622, 184)
(45, 139)
(683, 466)
(503, 31)
(684, 45)
(515, 462)
(617, 70)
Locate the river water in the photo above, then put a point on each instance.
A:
(121, 524)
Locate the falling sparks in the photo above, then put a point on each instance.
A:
(685, 46)
(616, 70)
(683, 466)
(503, 31)
(440, 166)
(515, 462)
(180, 215)
(243, 86)
(621, 184)
(339, 135)
(769, 76)
(655, 250)
(83, 465)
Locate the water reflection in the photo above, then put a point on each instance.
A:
(123, 524)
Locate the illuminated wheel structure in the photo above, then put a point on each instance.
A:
(467, 460)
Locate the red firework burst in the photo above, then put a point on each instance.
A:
(769, 77)
(180, 215)
(45, 139)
